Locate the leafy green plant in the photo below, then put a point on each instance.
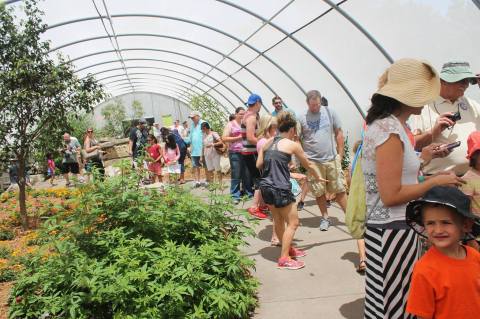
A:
(37, 91)
(128, 252)
(5, 252)
(114, 113)
(7, 274)
(137, 109)
(211, 112)
(346, 155)
(6, 234)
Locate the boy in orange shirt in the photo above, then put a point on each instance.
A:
(446, 280)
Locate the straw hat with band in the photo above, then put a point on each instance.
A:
(443, 195)
(412, 82)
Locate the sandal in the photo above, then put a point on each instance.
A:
(362, 267)
(275, 242)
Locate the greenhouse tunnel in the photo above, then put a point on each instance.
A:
(229, 49)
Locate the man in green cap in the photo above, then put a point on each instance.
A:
(450, 118)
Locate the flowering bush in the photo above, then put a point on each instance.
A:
(127, 252)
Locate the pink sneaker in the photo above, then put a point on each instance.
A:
(288, 263)
(257, 213)
(295, 252)
(264, 208)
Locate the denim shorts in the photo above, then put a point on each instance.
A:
(196, 161)
(277, 197)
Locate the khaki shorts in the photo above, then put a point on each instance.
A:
(331, 171)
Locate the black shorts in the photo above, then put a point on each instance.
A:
(70, 168)
(277, 197)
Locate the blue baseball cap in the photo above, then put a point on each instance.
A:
(254, 98)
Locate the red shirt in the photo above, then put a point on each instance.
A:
(154, 151)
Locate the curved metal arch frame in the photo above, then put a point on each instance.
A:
(178, 39)
(146, 67)
(170, 52)
(163, 82)
(173, 84)
(206, 26)
(307, 49)
(165, 61)
(126, 90)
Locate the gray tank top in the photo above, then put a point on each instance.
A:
(276, 173)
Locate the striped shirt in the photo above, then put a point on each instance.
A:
(248, 148)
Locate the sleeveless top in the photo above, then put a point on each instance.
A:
(248, 149)
(276, 173)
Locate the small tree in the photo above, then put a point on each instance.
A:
(210, 111)
(346, 155)
(37, 94)
(137, 109)
(114, 113)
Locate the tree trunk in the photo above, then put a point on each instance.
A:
(22, 195)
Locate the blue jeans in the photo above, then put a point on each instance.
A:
(239, 176)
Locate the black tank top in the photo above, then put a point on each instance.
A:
(276, 173)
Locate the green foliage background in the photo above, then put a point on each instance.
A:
(211, 112)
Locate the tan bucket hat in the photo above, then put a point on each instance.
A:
(412, 82)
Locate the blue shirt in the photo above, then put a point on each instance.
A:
(195, 138)
(274, 113)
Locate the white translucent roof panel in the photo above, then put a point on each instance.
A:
(228, 48)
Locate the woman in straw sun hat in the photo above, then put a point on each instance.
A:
(391, 169)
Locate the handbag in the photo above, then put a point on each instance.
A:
(220, 148)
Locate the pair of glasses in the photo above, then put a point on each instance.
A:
(89, 131)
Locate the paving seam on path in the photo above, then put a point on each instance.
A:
(313, 298)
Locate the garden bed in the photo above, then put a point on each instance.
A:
(113, 250)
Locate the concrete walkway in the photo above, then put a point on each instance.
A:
(328, 286)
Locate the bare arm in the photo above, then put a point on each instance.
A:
(250, 128)
(300, 154)
(229, 139)
(426, 138)
(130, 147)
(88, 147)
(260, 159)
(389, 163)
(340, 141)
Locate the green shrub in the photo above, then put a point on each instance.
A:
(6, 234)
(5, 252)
(7, 274)
(128, 252)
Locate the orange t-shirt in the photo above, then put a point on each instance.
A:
(443, 287)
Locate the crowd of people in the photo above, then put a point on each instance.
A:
(420, 159)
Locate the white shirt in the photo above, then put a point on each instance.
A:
(377, 134)
(470, 121)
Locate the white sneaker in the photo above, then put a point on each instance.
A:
(324, 224)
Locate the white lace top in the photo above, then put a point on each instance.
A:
(377, 134)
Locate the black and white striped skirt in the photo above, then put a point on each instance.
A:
(391, 254)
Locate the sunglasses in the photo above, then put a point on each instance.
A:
(471, 81)
(89, 131)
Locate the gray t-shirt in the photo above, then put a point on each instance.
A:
(71, 151)
(318, 136)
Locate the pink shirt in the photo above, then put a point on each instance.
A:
(260, 143)
(51, 164)
(171, 155)
(234, 130)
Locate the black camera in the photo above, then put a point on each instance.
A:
(455, 116)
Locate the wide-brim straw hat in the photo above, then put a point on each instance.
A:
(412, 82)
